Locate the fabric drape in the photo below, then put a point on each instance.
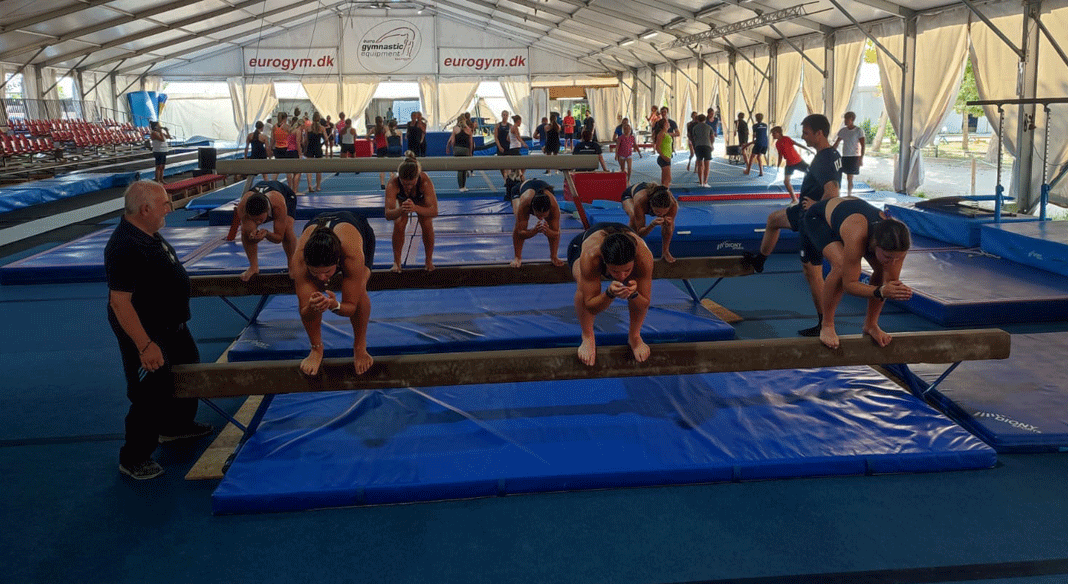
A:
(540, 100)
(991, 59)
(941, 46)
(454, 97)
(323, 93)
(643, 104)
(848, 52)
(813, 83)
(251, 102)
(428, 101)
(787, 84)
(517, 93)
(604, 101)
(356, 94)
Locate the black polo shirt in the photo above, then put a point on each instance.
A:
(587, 148)
(148, 267)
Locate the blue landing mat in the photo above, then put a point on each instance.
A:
(1016, 405)
(969, 288)
(308, 206)
(709, 230)
(484, 248)
(405, 445)
(475, 319)
(497, 223)
(958, 229)
(82, 260)
(39, 192)
(1039, 244)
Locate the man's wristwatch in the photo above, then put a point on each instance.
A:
(877, 293)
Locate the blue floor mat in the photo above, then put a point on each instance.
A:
(969, 288)
(475, 319)
(1039, 244)
(1015, 405)
(370, 205)
(405, 445)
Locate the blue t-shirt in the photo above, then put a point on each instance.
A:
(760, 134)
(825, 167)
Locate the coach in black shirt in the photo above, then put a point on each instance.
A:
(148, 306)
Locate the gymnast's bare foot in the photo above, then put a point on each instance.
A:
(640, 349)
(310, 364)
(362, 360)
(396, 268)
(587, 351)
(881, 338)
(247, 274)
(557, 262)
(669, 258)
(828, 336)
(516, 263)
(429, 266)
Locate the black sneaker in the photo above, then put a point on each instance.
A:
(194, 430)
(754, 260)
(148, 469)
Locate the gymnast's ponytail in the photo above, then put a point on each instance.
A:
(410, 168)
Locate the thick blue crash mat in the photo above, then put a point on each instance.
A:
(1039, 244)
(43, 191)
(967, 287)
(369, 205)
(483, 248)
(709, 230)
(82, 260)
(475, 319)
(1016, 405)
(404, 445)
(959, 228)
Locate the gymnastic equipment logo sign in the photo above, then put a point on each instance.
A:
(313, 61)
(492, 61)
(390, 46)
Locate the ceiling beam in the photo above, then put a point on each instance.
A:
(888, 7)
(52, 14)
(759, 8)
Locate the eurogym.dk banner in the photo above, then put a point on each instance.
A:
(481, 61)
(302, 61)
(389, 45)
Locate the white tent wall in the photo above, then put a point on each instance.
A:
(992, 58)
(813, 83)
(848, 53)
(942, 40)
(643, 105)
(189, 116)
(787, 84)
(604, 103)
(251, 102)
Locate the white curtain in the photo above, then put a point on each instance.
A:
(356, 94)
(211, 118)
(752, 87)
(604, 102)
(787, 84)
(152, 83)
(454, 95)
(251, 102)
(323, 93)
(941, 47)
(663, 90)
(992, 59)
(643, 104)
(517, 92)
(540, 100)
(813, 83)
(709, 88)
(848, 52)
(428, 100)
(688, 91)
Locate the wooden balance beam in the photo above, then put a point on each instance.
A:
(429, 163)
(464, 276)
(430, 370)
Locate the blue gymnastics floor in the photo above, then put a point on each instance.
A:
(475, 319)
(1015, 405)
(396, 446)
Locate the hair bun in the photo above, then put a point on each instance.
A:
(409, 155)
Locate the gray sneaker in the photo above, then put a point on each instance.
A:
(194, 430)
(148, 469)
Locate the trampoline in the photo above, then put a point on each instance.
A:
(406, 445)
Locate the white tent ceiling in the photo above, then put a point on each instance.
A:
(138, 36)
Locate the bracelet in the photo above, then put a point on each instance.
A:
(319, 346)
(877, 293)
(147, 345)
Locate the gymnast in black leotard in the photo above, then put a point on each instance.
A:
(845, 230)
(411, 191)
(266, 201)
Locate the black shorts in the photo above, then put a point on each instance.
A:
(348, 149)
(279, 152)
(800, 166)
(662, 162)
(851, 165)
(760, 149)
(161, 158)
(292, 154)
(703, 152)
(512, 152)
(816, 234)
(793, 215)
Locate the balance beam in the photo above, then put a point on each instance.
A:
(464, 276)
(430, 370)
(430, 163)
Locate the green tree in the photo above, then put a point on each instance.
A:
(968, 92)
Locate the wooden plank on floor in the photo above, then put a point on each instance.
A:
(721, 311)
(210, 464)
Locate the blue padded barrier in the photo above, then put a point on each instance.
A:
(1039, 244)
(1015, 405)
(405, 445)
(475, 319)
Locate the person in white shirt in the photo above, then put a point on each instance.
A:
(851, 137)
